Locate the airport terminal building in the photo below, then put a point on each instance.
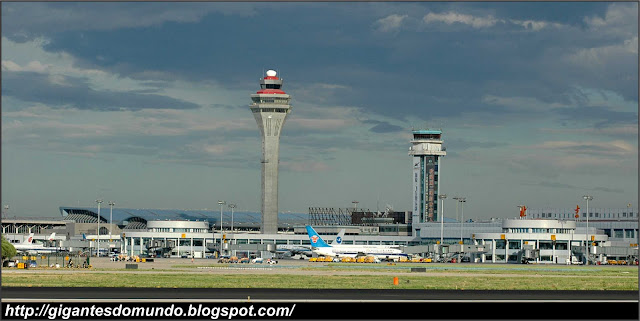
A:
(197, 234)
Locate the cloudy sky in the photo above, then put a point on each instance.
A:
(146, 104)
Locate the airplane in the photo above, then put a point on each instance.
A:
(383, 252)
(27, 246)
(306, 249)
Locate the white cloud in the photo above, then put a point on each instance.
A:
(612, 148)
(38, 18)
(454, 17)
(530, 24)
(32, 66)
(319, 124)
(311, 93)
(332, 86)
(535, 25)
(521, 103)
(213, 149)
(34, 112)
(390, 23)
(600, 57)
(487, 21)
(304, 166)
(617, 131)
(621, 19)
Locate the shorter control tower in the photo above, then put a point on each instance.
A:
(270, 107)
(427, 152)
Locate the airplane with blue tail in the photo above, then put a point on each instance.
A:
(306, 249)
(382, 252)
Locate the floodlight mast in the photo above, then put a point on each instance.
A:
(221, 203)
(232, 206)
(99, 201)
(111, 204)
(442, 197)
(586, 243)
(460, 200)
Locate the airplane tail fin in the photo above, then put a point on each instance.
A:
(84, 236)
(338, 239)
(28, 239)
(52, 236)
(316, 240)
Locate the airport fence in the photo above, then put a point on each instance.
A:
(51, 260)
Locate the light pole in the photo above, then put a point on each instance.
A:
(588, 198)
(442, 197)
(98, 238)
(111, 204)
(221, 203)
(462, 200)
(232, 206)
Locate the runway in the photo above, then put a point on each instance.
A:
(308, 295)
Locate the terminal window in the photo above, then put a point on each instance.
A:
(546, 246)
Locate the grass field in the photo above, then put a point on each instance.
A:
(342, 276)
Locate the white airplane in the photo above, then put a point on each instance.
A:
(27, 246)
(383, 252)
(306, 249)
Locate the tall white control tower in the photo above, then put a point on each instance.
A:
(427, 152)
(270, 106)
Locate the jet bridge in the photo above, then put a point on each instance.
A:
(447, 252)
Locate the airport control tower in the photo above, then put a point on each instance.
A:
(270, 106)
(427, 152)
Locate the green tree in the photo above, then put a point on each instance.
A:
(8, 250)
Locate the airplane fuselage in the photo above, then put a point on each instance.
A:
(35, 249)
(354, 251)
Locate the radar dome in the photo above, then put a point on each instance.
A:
(271, 73)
